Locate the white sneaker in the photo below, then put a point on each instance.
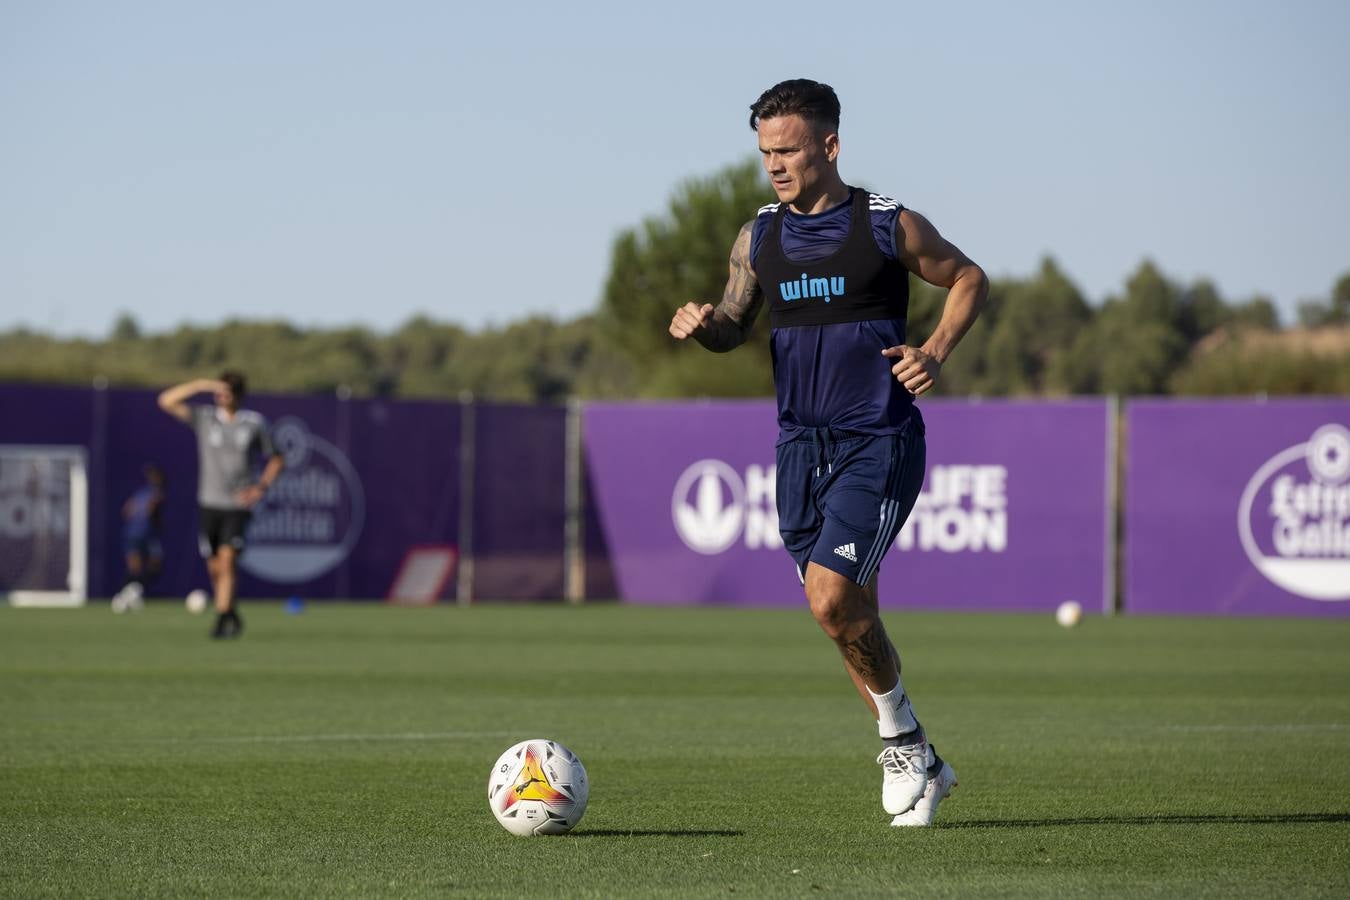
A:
(129, 598)
(939, 786)
(904, 776)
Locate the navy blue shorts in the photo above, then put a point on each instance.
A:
(842, 496)
(147, 546)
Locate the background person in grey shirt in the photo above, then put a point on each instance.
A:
(229, 440)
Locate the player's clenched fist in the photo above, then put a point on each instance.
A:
(689, 319)
(913, 368)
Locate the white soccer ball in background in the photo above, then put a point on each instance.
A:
(196, 602)
(1069, 613)
(538, 787)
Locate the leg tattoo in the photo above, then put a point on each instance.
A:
(870, 653)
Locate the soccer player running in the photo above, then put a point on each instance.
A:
(144, 554)
(834, 262)
(228, 440)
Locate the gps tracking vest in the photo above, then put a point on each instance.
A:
(854, 284)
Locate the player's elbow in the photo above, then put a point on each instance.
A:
(976, 276)
(972, 275)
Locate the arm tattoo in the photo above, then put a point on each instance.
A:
(741, 301)
(869, 653)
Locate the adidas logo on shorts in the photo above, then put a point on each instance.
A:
(848, 552)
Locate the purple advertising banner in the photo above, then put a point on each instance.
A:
(1013, 515)
(519, 502)
(1238, 507)
(365, 481)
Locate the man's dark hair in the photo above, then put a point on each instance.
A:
(813, 101)
(236, 382)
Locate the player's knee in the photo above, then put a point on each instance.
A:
(832, 607)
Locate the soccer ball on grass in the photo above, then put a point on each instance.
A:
(196, 602)
(538, 787)
(1069, 613)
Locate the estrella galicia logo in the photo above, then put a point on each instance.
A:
(312, 516)
(708, 506)
(1294, 516)
(809, 288)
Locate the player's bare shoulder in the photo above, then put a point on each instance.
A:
(912, 232)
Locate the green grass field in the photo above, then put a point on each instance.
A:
(345, 752)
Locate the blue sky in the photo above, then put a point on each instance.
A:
(336, 163)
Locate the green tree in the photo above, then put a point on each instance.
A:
(966, 370)
(676, 258)
(1201, 311)
(1340, 300)
(1335, 311)
(1135, 342)
(1031, 331)
(420, 354)
(1258, 312)
(1256, 361)
(125, 328)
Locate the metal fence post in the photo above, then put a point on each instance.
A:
(464, 581)
(1114, 473)
(574, 536)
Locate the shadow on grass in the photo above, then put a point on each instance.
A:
(642, 832)
(1240, 819)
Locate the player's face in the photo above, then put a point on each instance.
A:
(226, 399)
(799, 159)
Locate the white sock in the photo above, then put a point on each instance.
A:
(894, 715)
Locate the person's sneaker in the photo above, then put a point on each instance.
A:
(939, 786)
(228, 625)
(904, 775)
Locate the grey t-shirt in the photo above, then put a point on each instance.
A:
(224, 453)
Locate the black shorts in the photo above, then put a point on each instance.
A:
(218, 528)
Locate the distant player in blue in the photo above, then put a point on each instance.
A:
(834, 262)
(141, 546)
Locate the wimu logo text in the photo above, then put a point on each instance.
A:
(808, 288)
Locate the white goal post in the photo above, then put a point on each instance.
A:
(44, 525)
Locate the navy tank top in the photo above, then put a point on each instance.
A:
(836, 299)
